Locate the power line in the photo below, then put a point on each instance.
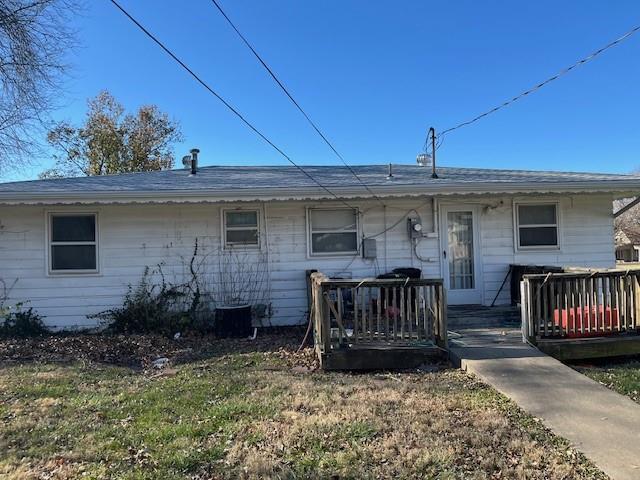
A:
(284, 89)
(548, 80)
(224, 102)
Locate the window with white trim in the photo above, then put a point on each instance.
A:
(537, 225)
(241, 228)
(73, 243)
(333, 231)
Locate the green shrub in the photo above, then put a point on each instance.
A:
(21, 322)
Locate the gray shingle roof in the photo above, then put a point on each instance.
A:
(250, 177)
(248, 180)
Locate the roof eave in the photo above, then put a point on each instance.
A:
(620, 187)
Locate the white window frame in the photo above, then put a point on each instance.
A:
(233, 246)
(50, 243)
(310, 232)
(517, 225)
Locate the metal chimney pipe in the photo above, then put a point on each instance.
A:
(194, 160)
(432, 132)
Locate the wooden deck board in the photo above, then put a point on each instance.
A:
(381, 357)
(585, 348)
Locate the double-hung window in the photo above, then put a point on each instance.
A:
(73, 243)
(537, 226)
(333, 231)
(241, 228)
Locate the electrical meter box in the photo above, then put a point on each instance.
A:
(414, 227)
(369, 249)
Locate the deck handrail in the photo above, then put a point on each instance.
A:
(352, 312)
(574, 305)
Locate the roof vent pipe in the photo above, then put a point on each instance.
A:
(432, 132)
(194, 160)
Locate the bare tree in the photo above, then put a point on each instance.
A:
(629, 220)
(34, 38)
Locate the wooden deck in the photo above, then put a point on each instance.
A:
(375, 324)
(582, 314)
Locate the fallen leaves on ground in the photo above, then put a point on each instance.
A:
(139, 351)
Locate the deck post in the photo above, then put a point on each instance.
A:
(325, 315)
(444, 337)
(440, 323)
(524, 319)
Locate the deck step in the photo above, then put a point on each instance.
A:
(473, 316)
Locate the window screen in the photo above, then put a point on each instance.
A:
(73, 245)
(537, 225)
(333, 231)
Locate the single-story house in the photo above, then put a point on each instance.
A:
(73, 246)
(628, 244)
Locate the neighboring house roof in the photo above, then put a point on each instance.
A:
(238, 183)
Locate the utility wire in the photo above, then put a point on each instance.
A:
(547, 81)
(293, 100)
(224, 102)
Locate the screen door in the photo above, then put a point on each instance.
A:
(459, 255)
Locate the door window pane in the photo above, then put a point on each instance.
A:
(460, 251)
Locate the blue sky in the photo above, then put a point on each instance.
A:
(375, 75)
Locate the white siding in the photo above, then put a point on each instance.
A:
(137, 236)
(133, 237)
(586, 239)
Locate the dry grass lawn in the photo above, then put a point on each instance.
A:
(218, 414)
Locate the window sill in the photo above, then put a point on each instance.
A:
(69, 273)
(333, 254)
(231, 248)
(537, 249)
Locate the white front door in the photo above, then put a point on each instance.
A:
(460, 254)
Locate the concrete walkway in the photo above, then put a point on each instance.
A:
(600, 423)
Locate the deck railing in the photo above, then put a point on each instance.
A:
(370, 312)
(580, 304)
